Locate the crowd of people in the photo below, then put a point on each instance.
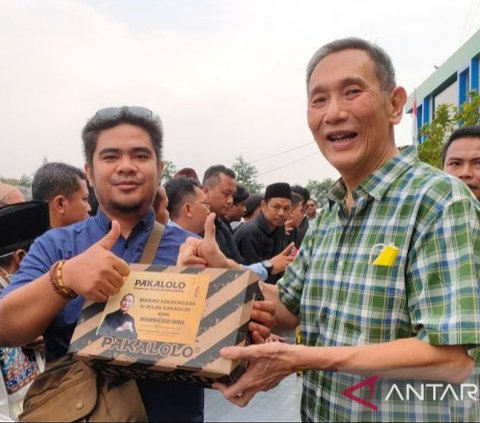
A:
(411, 317)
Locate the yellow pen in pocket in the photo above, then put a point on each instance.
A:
(387, 256)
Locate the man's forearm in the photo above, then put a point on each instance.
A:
(404, 358)
(26, 312)
(284, 319)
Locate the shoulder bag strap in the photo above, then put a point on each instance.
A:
(152, 243)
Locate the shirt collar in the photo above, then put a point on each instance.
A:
(262, 223)
(105, 224)
(377, 183)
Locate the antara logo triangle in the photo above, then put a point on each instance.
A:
(370, 382)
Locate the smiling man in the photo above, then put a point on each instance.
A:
(89, 259)
(119, 323)
(386, 281)
(122, 148)
(461, 157)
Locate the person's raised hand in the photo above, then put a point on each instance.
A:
(97, 273)
(206, 252)
(288, 226)
(282, 260)
(209, 248)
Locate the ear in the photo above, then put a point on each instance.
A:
(264, 205)
(19, 256)
(398, 98)
(188, 209)
(205, 190)
(58, 203)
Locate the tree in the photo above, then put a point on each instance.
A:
(169, 170)
(246, 174)
(318, 190)
(24, 181)
(447, 117)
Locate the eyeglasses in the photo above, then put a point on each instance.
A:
(4, 256)
(114, 112)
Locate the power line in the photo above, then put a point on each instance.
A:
(289, 164)
(282, 152)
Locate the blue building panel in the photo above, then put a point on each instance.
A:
(426, 110)
(461, 69)
(419, 123)
(463, 86)
(474, 83)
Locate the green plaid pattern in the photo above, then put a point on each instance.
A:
(431, 292)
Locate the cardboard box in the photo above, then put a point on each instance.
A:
(173, 324)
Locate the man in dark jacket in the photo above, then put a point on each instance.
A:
(264, 239)
(119, 323)
(219, 186)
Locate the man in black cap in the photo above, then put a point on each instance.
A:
(20, 224)
(263, 239)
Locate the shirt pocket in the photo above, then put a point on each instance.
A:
(378, 304)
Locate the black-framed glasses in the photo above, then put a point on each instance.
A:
(114, 112)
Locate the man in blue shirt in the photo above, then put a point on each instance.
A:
(88, 260)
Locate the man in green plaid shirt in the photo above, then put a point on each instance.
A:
(385, 285)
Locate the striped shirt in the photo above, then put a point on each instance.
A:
(429, 291)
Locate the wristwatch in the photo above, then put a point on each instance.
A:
(268, 265)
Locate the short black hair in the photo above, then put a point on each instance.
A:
(252, 204)
(98, 123)
(296, 199)
(241, 195)
(92, 200)
(303, 192)
(179, 190)
(56, 178)
(211, 177)
(472, 131)
(128, 295)
(7, 259)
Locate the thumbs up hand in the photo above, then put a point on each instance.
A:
(97, 273)
(205, 252)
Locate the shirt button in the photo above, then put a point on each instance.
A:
(340, 263)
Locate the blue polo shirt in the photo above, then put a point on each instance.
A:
(164, 401)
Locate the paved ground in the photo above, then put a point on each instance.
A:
(281, 404)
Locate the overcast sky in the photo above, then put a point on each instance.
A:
(226, 77)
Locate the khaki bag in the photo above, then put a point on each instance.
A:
(70, 390)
